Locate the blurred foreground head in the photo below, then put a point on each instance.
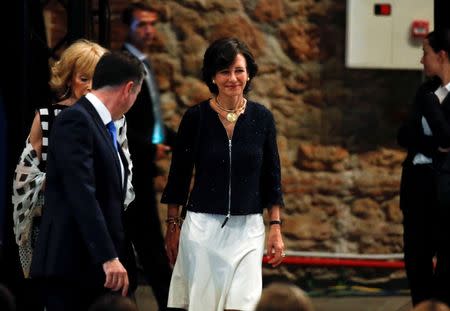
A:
(284, 297)
(431, 305)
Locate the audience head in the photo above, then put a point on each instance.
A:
(7, 301)
(72, 73)
(113, 303)
(220, 55)
(431, 305)
(284, 297)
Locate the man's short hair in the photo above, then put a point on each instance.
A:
(127, 13)
(116, 68)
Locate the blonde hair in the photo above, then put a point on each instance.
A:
(80, 56)
(284, 297)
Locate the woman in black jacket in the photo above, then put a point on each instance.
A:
(231, 142)
(425, 185)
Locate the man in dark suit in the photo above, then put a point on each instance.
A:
(149, 141)
(82, 249)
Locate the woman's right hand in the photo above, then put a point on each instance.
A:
(172, 240)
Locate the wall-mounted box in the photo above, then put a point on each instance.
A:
(388, 33)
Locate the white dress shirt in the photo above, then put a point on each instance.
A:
(441, 93)
(105, 115)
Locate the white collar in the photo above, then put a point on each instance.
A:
(447, 86)
(135, 51)
(100, 107)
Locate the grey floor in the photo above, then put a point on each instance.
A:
(146, 302)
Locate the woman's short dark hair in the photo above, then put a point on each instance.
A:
(220, 55)
(439, 40)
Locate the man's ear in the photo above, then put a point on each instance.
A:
(443, 56)
(129, 87)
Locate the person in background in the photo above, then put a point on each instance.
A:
(71, 78)
(82, 250)
(284, 297)
(231, 142)
(148, 141)
(424, 189)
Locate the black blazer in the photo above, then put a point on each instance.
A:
(81, 224)
(410, 135)
(253, 177)
(140, 123)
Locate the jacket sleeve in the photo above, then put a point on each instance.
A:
(183, 157)
(271, 169)
(433, 112)
(138, 139)
(410, 134)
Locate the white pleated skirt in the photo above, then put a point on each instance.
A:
(218, 268)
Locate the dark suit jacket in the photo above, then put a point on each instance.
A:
(140, 123)
(438, 117)
(81, 224)
(411, 135)
(247, 184)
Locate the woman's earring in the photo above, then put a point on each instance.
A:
(248, 78)
(214, 81)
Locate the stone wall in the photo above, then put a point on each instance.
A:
(336, 126)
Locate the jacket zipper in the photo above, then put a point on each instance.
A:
(229, 186)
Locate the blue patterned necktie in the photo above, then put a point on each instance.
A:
(113, 131)
(158, 129)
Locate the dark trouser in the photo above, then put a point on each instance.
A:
(422, 196)
(144, 229)
(30, 298)
(61, 295)
(442, 269)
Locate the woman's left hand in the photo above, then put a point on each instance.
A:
(275, 246)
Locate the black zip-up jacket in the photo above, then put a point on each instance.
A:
(255, 165)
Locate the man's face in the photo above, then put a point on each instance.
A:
(142, 28)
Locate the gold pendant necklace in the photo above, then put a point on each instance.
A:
(232, 114)
(232, 117)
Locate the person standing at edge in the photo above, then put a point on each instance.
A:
(231, 142)
(82, 246)
(425, 190)
(147, 137)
